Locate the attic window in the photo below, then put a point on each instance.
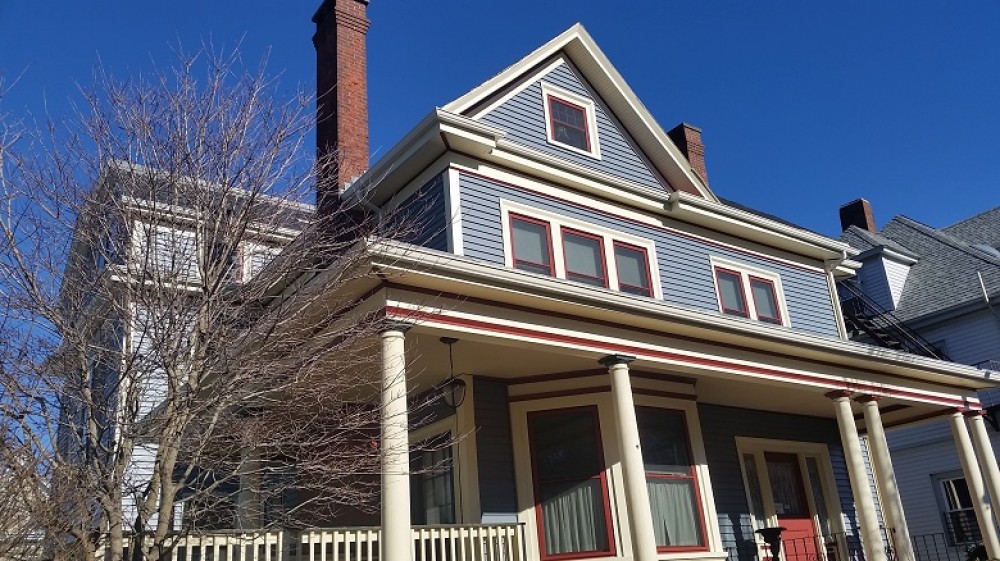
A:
(569, 121)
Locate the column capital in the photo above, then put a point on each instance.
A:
(400, 326)
(837, 394)
(614, 360)
(867, 398)
(974, 413)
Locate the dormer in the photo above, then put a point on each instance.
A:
(885, 266)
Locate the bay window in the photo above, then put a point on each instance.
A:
(671, 480)
(571, 490)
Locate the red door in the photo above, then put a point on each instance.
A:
(798, 540)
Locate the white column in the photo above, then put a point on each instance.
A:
(974, 479)
(634, 471)
(871, 534)
(248, 498)
(886, 476)
(396, 539)
(987, 461)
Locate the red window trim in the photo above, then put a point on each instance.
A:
(774, 294)
(535, 480)
(645, 263)
(552, 122)
(548, 242)
(692, 476)
(600, 245)
(722, 304)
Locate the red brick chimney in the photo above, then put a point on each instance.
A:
(341, 93)
(688, 139)
(857, 213)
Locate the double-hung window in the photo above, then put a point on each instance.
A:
(959, 515)
(671, 480)
(571, 490)
(570, 120)
(749, 293)
(562, 248)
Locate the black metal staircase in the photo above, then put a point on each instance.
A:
(867, 320)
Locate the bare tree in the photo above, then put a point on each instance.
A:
(174, 353)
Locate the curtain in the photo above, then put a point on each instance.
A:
(675, 514)
(573, 516)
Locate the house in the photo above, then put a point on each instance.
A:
(637, 369)
(941, 285)
(629, 366)
(145, 246)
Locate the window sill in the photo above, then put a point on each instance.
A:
(700, 555)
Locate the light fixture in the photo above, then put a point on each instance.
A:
(452, 392)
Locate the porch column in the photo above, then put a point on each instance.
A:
(886, 477)
(871, 534)
(248, 497)
(634, 471)
(396, 539)
(987, 461)
(974, 479)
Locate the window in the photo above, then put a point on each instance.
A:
(531, 245)
(568, 123)
(584, 254)
(570, 120)
(254, 258)
(557, 246)
(959, 515)
(765, 302)
(671, 480)
(432, 488)
(571, 491)
(633, 269)
(168, 251)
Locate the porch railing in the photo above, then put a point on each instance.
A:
(847, 547)
(493, 542)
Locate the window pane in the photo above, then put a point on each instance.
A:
(632, 270)
(584, 259)
(663, 438)
(675, 512)
(786, 485)
(531, 246)
(765, 300)
(565, 445)
(573, 517)
(569, 124)
(431, 487)
(731, 292)
(818, 498)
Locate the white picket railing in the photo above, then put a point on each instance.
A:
(499, 542)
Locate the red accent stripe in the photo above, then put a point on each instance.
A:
(418, 315)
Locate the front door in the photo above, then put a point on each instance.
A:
(791, 508)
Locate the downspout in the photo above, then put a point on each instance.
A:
(831, 283)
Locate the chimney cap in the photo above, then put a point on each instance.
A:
(325, 7)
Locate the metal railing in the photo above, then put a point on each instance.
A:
(945, 546)
(862, 314)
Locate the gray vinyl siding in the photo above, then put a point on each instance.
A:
(875, 284)
(969, 339)
(523, 118)
(494, 447)
(720, 427)
(683, 262)
(422, 218)
(918, 454)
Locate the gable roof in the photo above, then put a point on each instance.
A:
(946, 275)
(578, 46)
(983, 228)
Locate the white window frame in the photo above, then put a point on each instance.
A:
(557, 222)
(940, 482)
(144, 236)
(590, 117)
(746, 272)
(247, 251)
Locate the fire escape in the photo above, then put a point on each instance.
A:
(867, 321)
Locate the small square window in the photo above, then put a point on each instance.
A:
(633, 269)
(584, 257)
(532, 245)
(731, 296)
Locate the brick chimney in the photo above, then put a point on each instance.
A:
(857, 213)
(688, 139)
(341, 94)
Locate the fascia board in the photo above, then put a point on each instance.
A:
(584, 53)
(884, 251)
(407, 259)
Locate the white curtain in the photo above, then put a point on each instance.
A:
(675, 516)
(574, 519)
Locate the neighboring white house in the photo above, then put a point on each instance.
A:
(944, 285)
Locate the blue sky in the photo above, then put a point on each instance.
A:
(804, 105)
